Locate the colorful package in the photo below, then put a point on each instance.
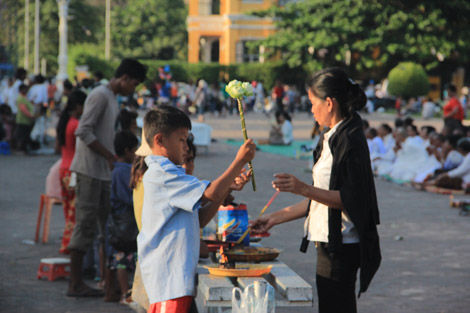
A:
(233, 222)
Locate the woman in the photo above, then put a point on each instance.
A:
(281, 133)
(68, 123)
(341, 206)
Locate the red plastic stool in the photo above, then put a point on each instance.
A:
(53, 268)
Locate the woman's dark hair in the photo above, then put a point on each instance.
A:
(429, 129)
(408, 121)
(453, 140)
(414, 129)
(77, 97)
(387, 128)
(464, 144)
(335, 83)
(137, 170)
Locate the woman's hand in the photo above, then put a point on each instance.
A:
(289, 183)
(263, 224)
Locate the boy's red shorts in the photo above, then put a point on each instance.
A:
(178, 305)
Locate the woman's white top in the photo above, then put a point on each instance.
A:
(287, 132)
(316, 224)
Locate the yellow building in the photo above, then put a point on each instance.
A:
(218, 30)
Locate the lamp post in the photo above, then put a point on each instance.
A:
(107, 48)
(63, 58)
(26, 34)
(37, 31)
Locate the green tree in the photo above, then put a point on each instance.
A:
(149, 29)
(408, 80)
(368, 34)
(85, 25)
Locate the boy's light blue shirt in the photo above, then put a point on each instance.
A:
(168, 244)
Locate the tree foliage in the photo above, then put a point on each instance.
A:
(150, 29)
(408, 80)
(367, 34)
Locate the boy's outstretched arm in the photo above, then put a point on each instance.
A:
(208, 210)
(220, 187)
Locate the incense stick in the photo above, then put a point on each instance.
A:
(261, 213)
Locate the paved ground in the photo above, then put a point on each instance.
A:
(427, 271)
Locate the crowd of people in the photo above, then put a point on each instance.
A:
(424, 157)
(129, 196)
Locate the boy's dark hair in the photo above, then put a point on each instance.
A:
(132, 68)
(126, 117)
(23, 88)
(124, 140)
(191, 146)
(164, 119)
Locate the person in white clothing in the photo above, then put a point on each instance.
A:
(13, 92)
(375, 143)
(458, 178)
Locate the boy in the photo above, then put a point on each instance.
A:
(168, 244)
(122, 227)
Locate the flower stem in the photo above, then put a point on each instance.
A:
(245, 136)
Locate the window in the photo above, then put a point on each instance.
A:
(245, 54)
(209, 7)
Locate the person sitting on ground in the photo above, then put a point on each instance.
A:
(375, 143)
(172, 213)
(458, 178)
(24, 120)
(121, 245)
(282, 132)
(413, 134)
(66, 141)
(425, 133)
(386, 133)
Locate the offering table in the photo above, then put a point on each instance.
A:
(215, 292)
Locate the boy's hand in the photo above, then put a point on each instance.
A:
(241, 180)
(246, 153)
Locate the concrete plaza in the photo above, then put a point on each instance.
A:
(428, 270)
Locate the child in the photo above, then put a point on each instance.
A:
(168, 243)
(121, 226)
(66, 140)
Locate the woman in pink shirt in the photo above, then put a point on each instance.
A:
(68, 123)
